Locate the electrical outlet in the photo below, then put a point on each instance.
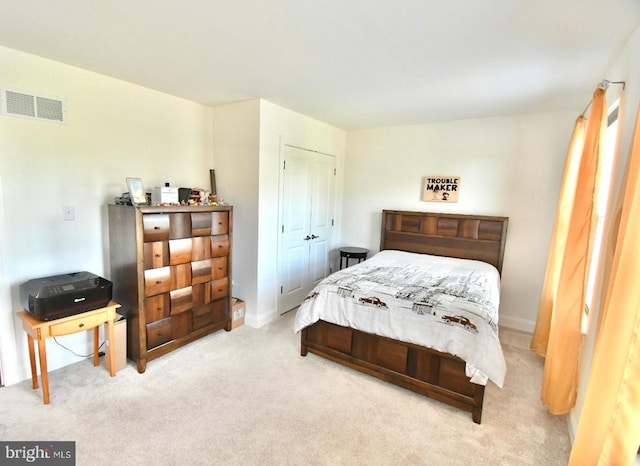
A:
(68, 212)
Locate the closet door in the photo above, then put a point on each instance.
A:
(307, 223)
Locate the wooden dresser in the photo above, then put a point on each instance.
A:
(171, 272)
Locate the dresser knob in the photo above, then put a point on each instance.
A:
(158, 282)
(81, 325)
(156, 228)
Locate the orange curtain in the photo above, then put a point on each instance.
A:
(609, 427)
(558, 329)
(558, 239)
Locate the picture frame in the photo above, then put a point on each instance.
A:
(439, 188)
(136, 191)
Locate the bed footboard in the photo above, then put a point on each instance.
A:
(422, 370)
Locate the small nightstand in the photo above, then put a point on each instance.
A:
(352, 253)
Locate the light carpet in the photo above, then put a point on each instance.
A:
(247, 397)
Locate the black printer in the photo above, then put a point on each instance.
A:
(50, 298)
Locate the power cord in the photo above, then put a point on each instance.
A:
(100, 353)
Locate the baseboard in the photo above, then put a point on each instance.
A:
(260, 320)
(572, 425)
(56, 359)
(14, 374)
(516, 323)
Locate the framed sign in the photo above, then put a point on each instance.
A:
(436, 188)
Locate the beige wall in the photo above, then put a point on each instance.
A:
(236, 136)
(509, 166)
(247, 142)
(113, 130)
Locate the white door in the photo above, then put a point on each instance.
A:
(306, 223)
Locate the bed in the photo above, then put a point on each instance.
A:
(396, 300)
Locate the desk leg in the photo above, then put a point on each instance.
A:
(42, 350)
(32, 360)
(96, 346)
(112, 348)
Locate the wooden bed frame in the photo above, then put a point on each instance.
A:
(431, 373)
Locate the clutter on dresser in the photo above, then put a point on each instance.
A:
(168, 195)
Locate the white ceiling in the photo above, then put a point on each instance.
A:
(351, 63)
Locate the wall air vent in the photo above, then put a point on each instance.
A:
(27, 105)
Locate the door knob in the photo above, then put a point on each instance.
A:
(307, 238)
(314, 236)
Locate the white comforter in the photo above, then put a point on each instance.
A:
(450, 305)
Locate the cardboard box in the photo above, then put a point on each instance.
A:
(120, 337)
(237, 312)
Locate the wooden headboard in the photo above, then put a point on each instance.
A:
(475, 237)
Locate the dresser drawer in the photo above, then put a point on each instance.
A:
(168, 329)
(157, 281)
(77, 325)
(201, 249)
(157, 307)
(180, 225)
(181, 300)
(180, 251)
(180, 275)
(155, 227)
(201, 271)
(156, 254)
(159, 332)
(220, 288)
(219, 269)
(201, 223)
(219, 223)
(219, 245)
